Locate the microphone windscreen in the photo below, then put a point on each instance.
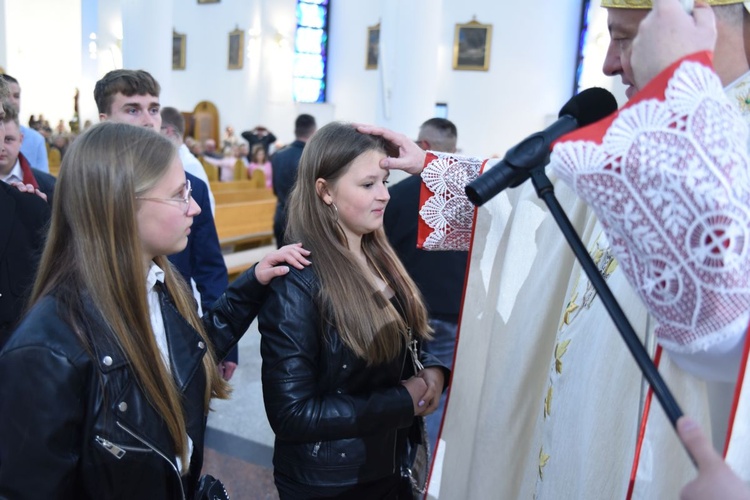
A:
(590, 106)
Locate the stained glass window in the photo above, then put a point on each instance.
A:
(592, 47)
(583, 43)
(310, 48)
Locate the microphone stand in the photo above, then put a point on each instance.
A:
(545, 191)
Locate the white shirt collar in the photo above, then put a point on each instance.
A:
(155, 273)
(15, 175)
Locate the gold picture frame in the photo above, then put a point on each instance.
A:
(373, 47)
(471, 46)
(236, 49)
(179, 45)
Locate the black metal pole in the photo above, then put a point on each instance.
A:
(545, 190)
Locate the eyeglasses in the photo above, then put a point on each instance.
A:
(187, 194)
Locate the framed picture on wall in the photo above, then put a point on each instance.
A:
(208, 1)
(373, 47)
(236, 49)
(178, 50)
(471, 46)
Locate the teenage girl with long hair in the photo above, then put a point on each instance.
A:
(105, 385)
(339, 338)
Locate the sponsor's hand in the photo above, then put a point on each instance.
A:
(28, 188)
(273, 264)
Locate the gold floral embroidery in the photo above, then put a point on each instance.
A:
(548, 403)
(543, 459)
(740, 90)
(610, 267)
(606, 264)
(743, 101)
(560, 350)
(570, 309)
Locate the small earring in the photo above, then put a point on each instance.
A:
(335, 212)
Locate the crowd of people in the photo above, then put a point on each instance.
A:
(116, 308)
(41, 138)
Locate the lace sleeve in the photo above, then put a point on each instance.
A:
(668, 179)
(446, 214)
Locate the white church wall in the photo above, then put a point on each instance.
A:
(530, 75)
(43, 51)
(3, 37)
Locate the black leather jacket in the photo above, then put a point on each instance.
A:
(78, 426)
(336, 419)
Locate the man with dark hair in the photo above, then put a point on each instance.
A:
(284, 171)
(129, 96)
(23, 223)
(33, 148)
(259, 135)
(438, 134)
(443, 289)
(173, 127)
(14, 167)
(132, 96)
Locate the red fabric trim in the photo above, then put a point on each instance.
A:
(28, 175)
(654, 90)
(458, 329)
(738, 390)
(642, 430)
(423, 230)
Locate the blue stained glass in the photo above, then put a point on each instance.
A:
(312, 16)
(583, 42)
(309, 65)
(308, 90)
(310, 45)
(310, 40)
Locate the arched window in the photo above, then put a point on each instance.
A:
(311, 51)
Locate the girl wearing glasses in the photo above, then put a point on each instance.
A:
(342, 377)
(105, 384)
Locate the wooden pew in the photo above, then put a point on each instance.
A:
(217, 186)
(224, 197)
(54, 159)
(245, 223)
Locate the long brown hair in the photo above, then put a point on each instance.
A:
(366, 322)
(93, 250)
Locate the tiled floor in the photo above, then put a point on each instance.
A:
(239, 441)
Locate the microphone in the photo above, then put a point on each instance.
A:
(582, 109)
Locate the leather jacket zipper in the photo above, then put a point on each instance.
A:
(316, 448)
(118, 451)
(153, 448)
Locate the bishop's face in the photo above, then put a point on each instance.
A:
(623, 26)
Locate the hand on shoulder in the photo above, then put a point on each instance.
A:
(275, 263)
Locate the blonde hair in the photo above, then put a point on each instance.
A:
(365, 320)
(93, 253)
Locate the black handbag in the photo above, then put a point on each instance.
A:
(416, 466)
(210, 488)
